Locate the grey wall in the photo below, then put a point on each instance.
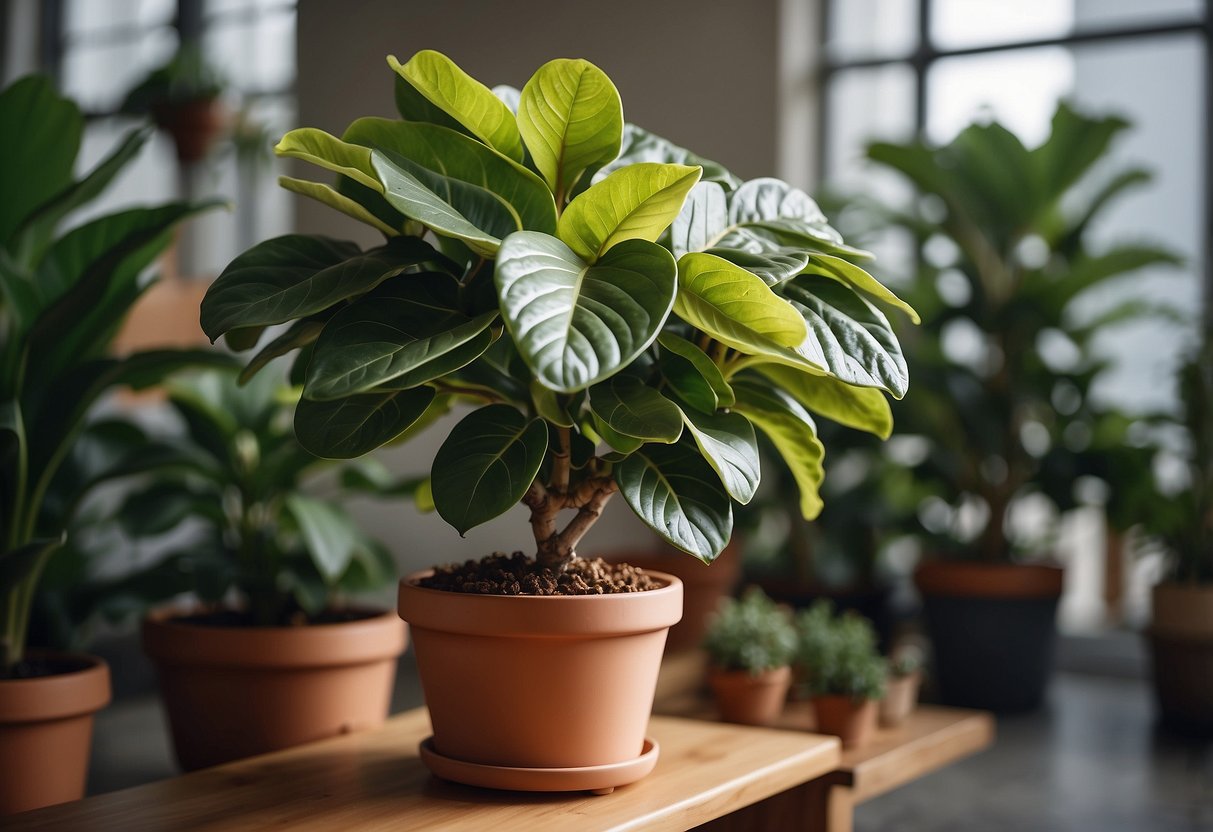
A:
(702, 74)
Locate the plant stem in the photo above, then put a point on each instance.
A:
(560, 463)
(555, 548)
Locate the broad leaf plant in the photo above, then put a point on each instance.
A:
(624, 314)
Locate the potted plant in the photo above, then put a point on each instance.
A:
(64, 296)
(901, 687)
(843, 673)
(624, 314)
(749, 643)
(273, 653)
(183, 98)
(1007, 263)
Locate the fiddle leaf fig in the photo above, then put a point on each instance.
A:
(633, 409)
(793, 433)
(330, 153)
(693, 375)
(350, 427)
(727, 442)
(334, 199)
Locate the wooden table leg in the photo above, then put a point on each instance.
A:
(816, 806)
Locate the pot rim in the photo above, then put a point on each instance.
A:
(975, 579)
(540, 616)
(43, 698)
(169, 640)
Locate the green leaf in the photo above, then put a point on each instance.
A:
(388, 332)
(774, 267)
(734, 306)
(325, 194)
(862, 408)
(630, 407)
(848, 335)
(23, 564)
(329, 535)
(703, 218)
(727, 442)
(617, 441)
(642, 146)
(350, 427)
(634, 203)
(298, 335)
(486, 465)
(571, 119)
(768, 198)
(277, 281)
(860, 281)
(39, 137)
(548, 406)
(791, 429)
(693, 376)
(331, 153)
(463, 98)
(678, 495)
(576, 324)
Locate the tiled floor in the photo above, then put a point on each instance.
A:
(1090, 762)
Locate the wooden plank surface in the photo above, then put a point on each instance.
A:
(375, 781)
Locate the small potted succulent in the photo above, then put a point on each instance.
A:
(750, 643)
(183, 99)
(901, 689)
(274, 654)
(623, 315)
(844, 674)
(64, 296)
(1008, 266)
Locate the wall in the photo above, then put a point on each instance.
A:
(701, 74)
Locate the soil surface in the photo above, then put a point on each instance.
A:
(516, 574)
(240, 618)
(38, 667)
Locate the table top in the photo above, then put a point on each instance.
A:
(375, 780)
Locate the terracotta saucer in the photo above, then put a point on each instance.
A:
(597, 779)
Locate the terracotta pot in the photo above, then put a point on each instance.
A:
(46, 731)
(703, 585)
(193, 125)
(992, 631)
(748, 699)
(232, 692)
(539, 682)
(900, 699)
(851, 720)
(1181, 646)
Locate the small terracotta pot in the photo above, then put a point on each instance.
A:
(703, 585)
(851, 720)
(232, 692)
(193, 125)
(900, 699)
(1181, 647)
(46, 731)
(748, 699)
(539, 681)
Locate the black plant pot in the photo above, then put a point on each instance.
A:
(993, 632)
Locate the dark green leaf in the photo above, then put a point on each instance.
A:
(630, 407)
(349, 427)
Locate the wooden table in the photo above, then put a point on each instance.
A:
(930, 739)
(374, 780)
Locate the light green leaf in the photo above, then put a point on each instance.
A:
(331, 153)
(859, 280)
(774, 267)
(727, 442)
(678, 495)
(571, 119)
(388, 332)
(329, 535)
(350, 427)
(630, 407)
(791, 429)
(486, 465)
(341, 202)
(576, 324)
(734, 306)
(692, 375)
(634, 203)
(463, 98)
(862, 408)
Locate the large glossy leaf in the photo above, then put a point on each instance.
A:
(704, 216)
(620, 442)
(414, 198)
(773, 267)
(329, 535)
(571, 119)
(642, 146)
(463, 98)
(350, 427)
(273, 282)
(770, 199)
(635, 203)
(727, 442)
(848, 334)
(678, 495)
(461, 170)
(39, 136)
(787, 236)
(388, 332)
(337, 200)
(486, 465)
(331, 153)
(445, 364)
(576, 324)
(862, 408)
(734, 306)
(791, 429)
(859, 280)
(632, 408)
(300, 334)
(693, 375)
